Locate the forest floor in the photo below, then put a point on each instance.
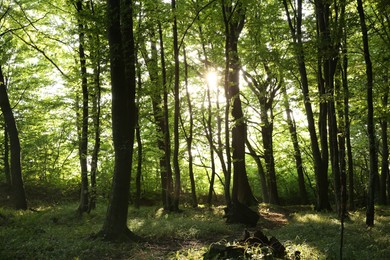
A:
(51, 229)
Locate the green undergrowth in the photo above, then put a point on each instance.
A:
(56, 232)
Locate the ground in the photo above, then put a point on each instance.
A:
(51, 229)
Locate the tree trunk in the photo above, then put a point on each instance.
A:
(83, 142)
(265, 93)
(95, 116)
(159, 99)
(320, 165)
(385, 147)
(18, 195)
(189, 136)
(347, 132)
(297, 151)
(167, 139)
(122, 64)
(241, 192)
(260, 172)
(370, 211)
(208, 124)
(176, 95)
(7, 170)
(139, 163)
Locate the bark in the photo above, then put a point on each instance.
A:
(373, 166)
(95, 117)
(96, 126)
(18, 195)
(260, 172)
(7, 170)
(167, 139)
(159, 99)
(139, 163)
(209, 127)
(137, 199)
(265, 93)
(297, 151)
(329, 44)
(189, 136)
(241, 191)
(385, 147)
(347, 132)
(122, 64)
(320, 165)
(83, 142)
(176, 94)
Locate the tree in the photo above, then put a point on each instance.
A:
(122, 64)
(265, 93)
(83, 142)
(234, 20)
(18, 193)
(176, 94)
(373, 170)
(320, 163)
(190, 135)
(96, 107)
(297, 150)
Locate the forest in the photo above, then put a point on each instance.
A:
(194, 129)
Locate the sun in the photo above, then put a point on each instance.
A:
(212, 79)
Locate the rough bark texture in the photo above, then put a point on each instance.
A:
(18, 193)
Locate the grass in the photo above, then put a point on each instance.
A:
(55, 232)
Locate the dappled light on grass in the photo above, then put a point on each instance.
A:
(315, 218)
(57, 233)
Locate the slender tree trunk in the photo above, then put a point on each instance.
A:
(7, 171)
(208, 124)
(95, 117)
(320, 165)
(228, 172)
(260, 172)
(122, 64)
(137, 199)
(96, 125)
(347, 132)
(83, 142)
(176, 94)
(18, 195)
(297, 151)
(167, 138)
(189, 136)
(370, 211)
(158, 95)
(385, 147)
(139, 163)
(265, 95)
(328, 54)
